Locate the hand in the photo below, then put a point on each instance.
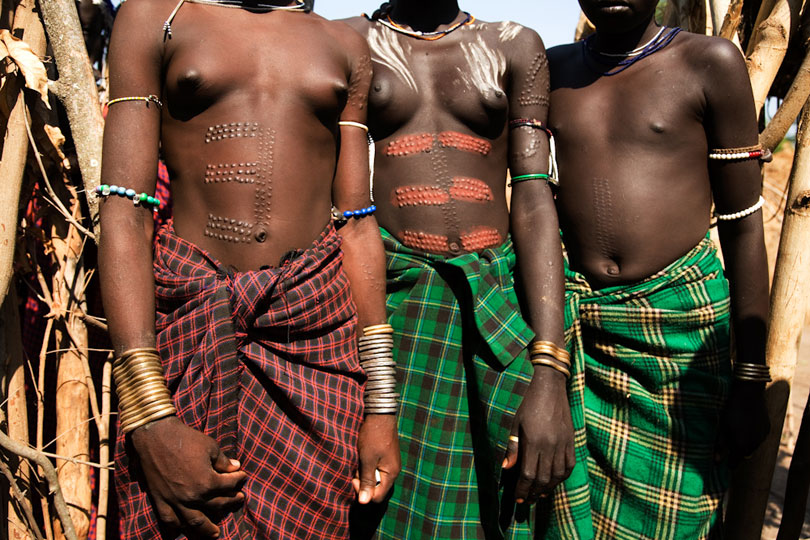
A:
(545, 446)
(190, 480)
(378, 446)
(745, 421)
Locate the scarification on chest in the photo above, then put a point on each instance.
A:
(480, 238)
(462, 189)
(242, 173)
(409, 145)
(257, 173)
(232, 130)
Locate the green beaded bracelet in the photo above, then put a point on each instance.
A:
(525, 177)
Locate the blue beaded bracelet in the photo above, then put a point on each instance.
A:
(138, 199)
(337, 215)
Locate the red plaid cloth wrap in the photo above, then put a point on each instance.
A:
(264, 362)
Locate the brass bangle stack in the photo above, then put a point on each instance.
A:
(377, 360)
(752, 372)
(142, 393)
(539, 350)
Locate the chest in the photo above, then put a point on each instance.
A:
(213, 59)
(460, 75)
(649, 103)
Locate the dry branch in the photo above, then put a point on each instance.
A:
(50, 476)
(76, 89)
(791, 289)
(776, 22)
(791, 107)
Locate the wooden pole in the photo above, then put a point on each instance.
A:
(72, 392)
(76, 89)
(12, 357)
(798, 484)
(751, 481)
(769, 43)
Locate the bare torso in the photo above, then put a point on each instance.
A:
(249, 130)
(438, 111)
(635, 192)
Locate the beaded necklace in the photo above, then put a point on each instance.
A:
(427, 36)
(257, 6)
(663, 38)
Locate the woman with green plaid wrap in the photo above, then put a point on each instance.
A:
(454, 102)
(654, 126)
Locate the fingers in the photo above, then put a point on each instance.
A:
(367, 480)
(221, 462)
(197, 522)
(224, 503)
(511, 452)
(228, 482)
(528, 473)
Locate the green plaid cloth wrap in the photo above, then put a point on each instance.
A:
(651, 376)
(462, 365)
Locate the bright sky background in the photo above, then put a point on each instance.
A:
(554, 20)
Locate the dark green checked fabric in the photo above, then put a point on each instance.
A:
(651, 376)
(460, 346)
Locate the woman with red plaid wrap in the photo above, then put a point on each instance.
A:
(258, 297)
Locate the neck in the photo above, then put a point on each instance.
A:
(426, 15)
(620, 42)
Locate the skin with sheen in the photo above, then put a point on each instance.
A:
(251, 139)
(439, 111)
(638, 187)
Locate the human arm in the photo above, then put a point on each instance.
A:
(545, 449)
(364, 264)
(730, 122)
(189, 479)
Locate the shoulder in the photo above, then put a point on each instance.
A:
(716, 61)
(346, 35)
(508, 35)
(710, 53)
(136, 10)
(359, 24)
(563, 56)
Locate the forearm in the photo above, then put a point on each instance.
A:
(364, 264)
(747, 272)
(127, 282)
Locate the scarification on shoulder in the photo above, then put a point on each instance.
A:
(358, 92)
(536, 88)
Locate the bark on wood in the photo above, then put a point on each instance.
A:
(791, 107)
(769, 43)
(751, 482)
(717, 10)
(798, 483)
(688, 14)
(50, 477)
(76, 89)
(72, 393)
(731, 21)
(17, 415)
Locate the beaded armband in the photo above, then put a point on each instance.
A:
(143, 396)
(552, 177)
(530, 123)
(138, 199)
(147, 99)
(376, 349)
(343, 217)
(742, 213)
(740, 154)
